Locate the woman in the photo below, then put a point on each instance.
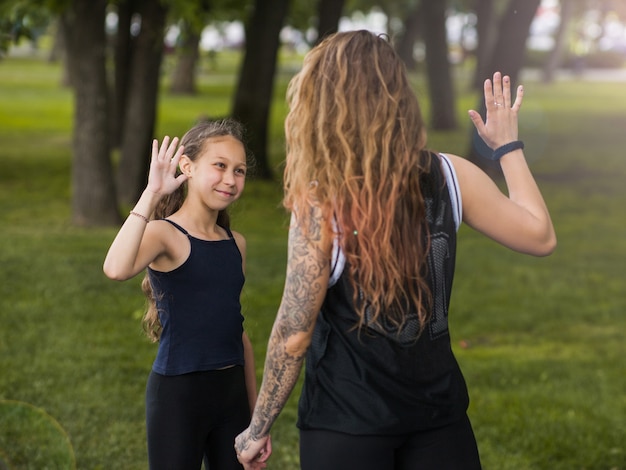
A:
(371, 261)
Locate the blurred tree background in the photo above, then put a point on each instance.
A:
(114, 53)
(114, 49)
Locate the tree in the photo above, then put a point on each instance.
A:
(193, 17)
(93, 192)
(20, 20)
(328, 16)
(123, 47)
(556, 54)
(411, 32)
(510, 48)
(441, 88)
(188, 53)
(94, 198)
(141, 103)
(256, 78)
(486, 33)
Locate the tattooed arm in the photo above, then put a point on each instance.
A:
(305, 287)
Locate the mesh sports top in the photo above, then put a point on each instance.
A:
(199, 308)
(379, 380)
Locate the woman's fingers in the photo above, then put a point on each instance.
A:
(498, 93)
(506, 91)
(519, 97)
(497, 89)
(490, 99)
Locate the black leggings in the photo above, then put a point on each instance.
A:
(452, 447)
(195, 415)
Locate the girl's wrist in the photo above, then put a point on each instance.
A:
(152, 192)
(146, 204)
(150, 196)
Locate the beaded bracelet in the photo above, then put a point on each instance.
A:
(507, 148)
(137, 214)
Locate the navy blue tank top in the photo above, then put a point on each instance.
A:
(199, 308)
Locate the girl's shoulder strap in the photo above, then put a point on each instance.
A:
(177, 226)
(228, 231)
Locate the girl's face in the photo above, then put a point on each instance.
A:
(218, 174)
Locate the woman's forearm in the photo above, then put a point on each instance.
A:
(282, 367)
(523, 191)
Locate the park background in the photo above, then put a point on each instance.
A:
(541, 340)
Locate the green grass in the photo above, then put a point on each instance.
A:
(31, 438)
(541, 341)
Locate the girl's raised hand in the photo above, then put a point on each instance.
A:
(500, 126)
(162, 178)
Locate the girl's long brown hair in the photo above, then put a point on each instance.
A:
(194, 142)
(355, 139)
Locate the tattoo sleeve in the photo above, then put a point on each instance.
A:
(305, 287)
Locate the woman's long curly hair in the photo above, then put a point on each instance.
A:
(194, 142)
(355, 139)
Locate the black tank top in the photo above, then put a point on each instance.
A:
(199, 308)
(376, 381)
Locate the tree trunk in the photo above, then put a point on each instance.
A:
(58, 49)
(486, 38)
(93, 192)
(328, 16)
(409, 37)
(58, 52)
(184, 76)
(510, 48)
(141, 104)
(556, 55)
(441, 88)
(123, 52)
(256, 78)
(508, 58)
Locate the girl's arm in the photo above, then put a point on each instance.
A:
(248, 352)
(138, 243)
(520, 221)
(249, 371)
(305, 287)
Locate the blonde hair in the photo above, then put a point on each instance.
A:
(194, 142)
(355, 139)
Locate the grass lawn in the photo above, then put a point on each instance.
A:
(541, 340)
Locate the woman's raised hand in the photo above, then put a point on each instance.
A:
(162, 178)
(500, 126)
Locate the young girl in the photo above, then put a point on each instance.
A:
(202, 385)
